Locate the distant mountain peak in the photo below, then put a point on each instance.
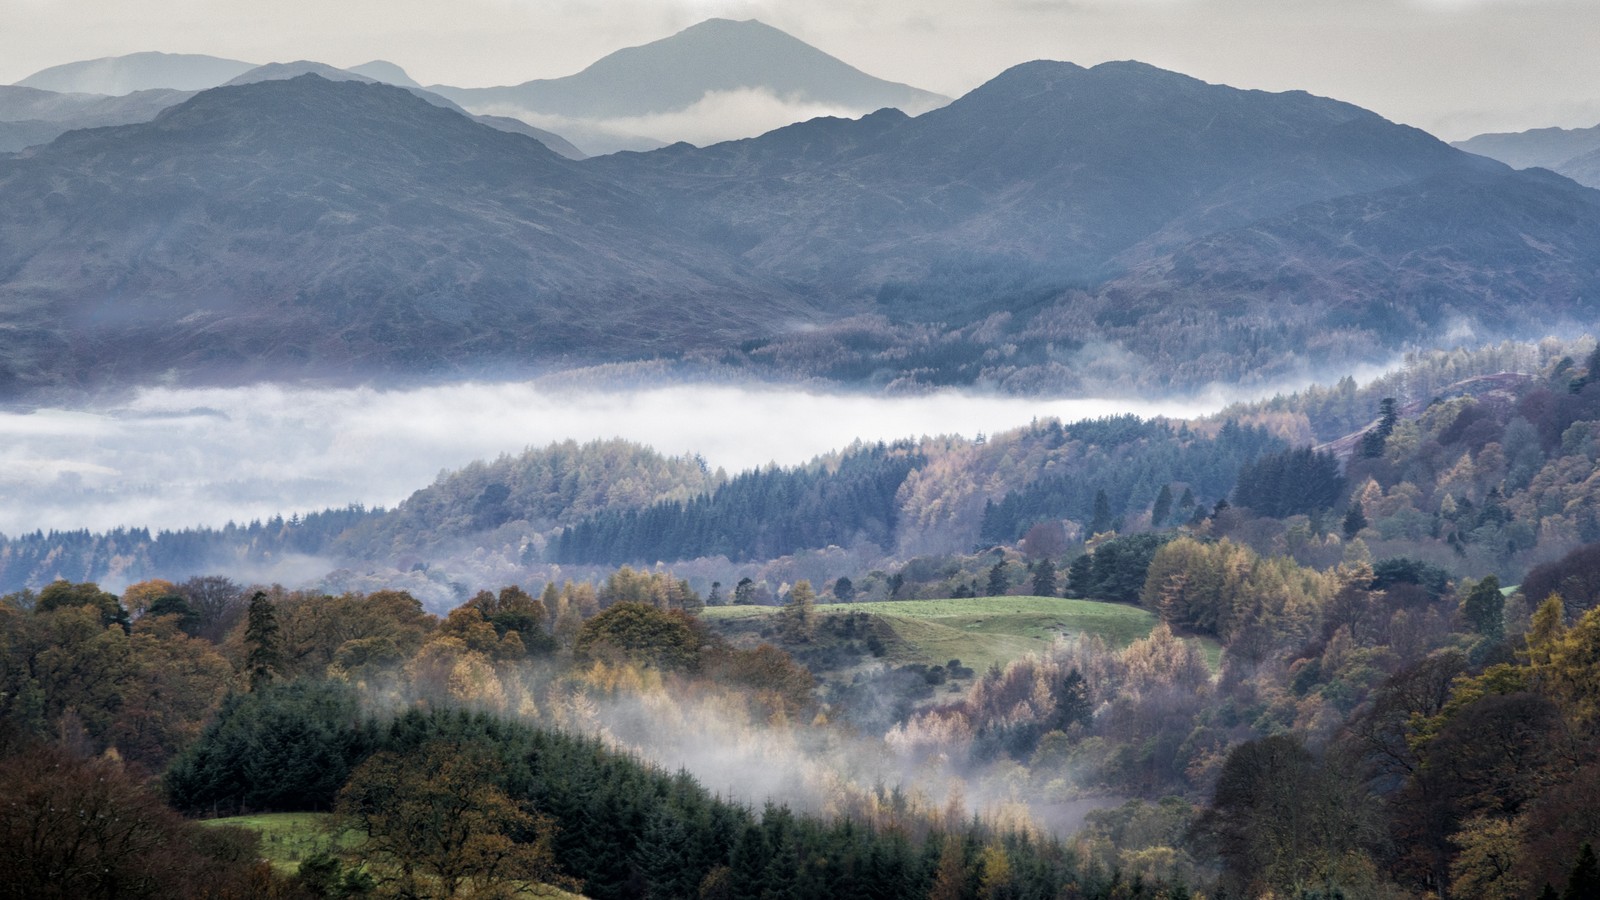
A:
(297, 69)
(143, 71)
(707, 60)
(386, 72)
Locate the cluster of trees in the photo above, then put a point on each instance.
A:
(39, 557)
(1125, 467)
(760, 514)
(1300, 481)
(539, 489)
(452, 801)
(458, 798)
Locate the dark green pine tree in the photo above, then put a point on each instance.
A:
(264, 657)
(1186, 504)
(1044, 579)
(1584, 882)
(1163, 507)
(1080, 576)
(715, 598)
(1072, 703)
(1484, 609)
(661, 856)
(1373, 442)
(1101, 522)
(1355, 519)
(997, 579)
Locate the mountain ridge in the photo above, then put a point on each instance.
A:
(147, 70)
(1573, 152)
(308, 226)
(676, 71)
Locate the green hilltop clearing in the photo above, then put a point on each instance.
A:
(287, 839)
(981, 631)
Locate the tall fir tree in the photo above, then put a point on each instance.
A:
(264, 658)
(1484, 609)
(1584, 882)
(1355, 519)
(1163, 507)
(1080, 576)
(1101, 522)
(997, 580)
(1044, 579)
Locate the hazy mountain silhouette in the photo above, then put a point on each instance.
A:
(1078, 171)
(312, 226)
(676, 72)
(1483, 254)
(118, 75)
(1573, 152)
(1583, 169)
(386, 72)
(284, 71)
(30, 116)
(1546, 148)
(336, 227)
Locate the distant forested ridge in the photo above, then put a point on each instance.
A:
(1125, 463)
(760, 514)
(1490, 470)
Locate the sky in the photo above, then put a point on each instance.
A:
(1454, 67)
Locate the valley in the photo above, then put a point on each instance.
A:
(721, 472)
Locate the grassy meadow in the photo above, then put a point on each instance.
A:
(289, 838)
(980, 631)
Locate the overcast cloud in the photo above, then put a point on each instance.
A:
(1455, 67)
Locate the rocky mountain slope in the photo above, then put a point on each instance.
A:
(305, 226)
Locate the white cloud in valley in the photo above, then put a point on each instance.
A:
(718, 116)
(179, 458)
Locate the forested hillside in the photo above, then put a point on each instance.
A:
(1372, 728)
(1359, 667)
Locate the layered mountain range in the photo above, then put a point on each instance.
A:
(308, 226)
(715, 80)
(1573, 152)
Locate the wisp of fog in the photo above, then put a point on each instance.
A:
(176, 458)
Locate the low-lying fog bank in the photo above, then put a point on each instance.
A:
(174, 458)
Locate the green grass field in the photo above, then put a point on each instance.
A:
(982, 631)
(288, 838)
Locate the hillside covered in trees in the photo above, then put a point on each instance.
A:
(1480, 464)
(1363, 665)
(1371, 727)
